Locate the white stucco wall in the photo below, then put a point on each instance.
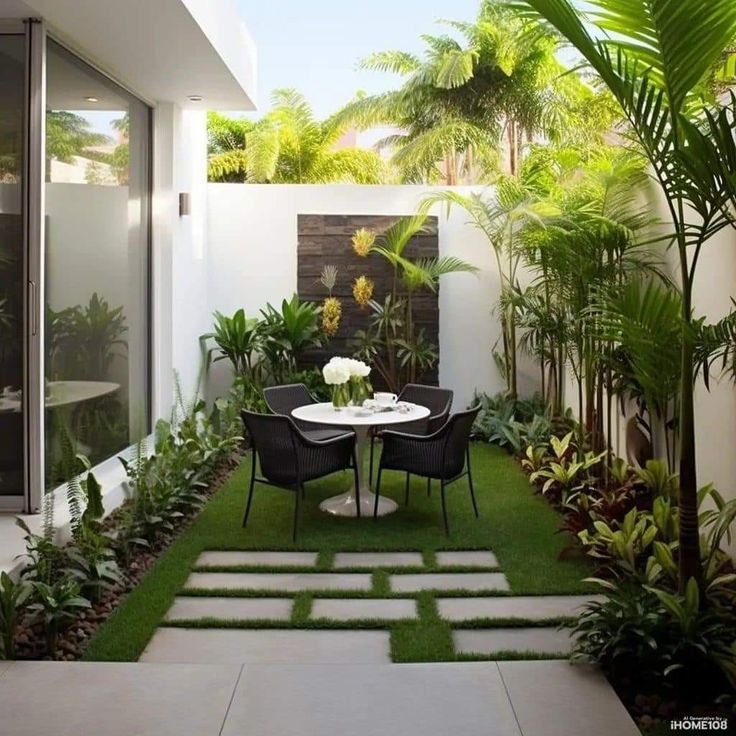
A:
(715, 410)
(252, 259)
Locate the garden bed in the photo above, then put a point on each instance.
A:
(30, 639)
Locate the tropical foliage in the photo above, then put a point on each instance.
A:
(287, 146)
(656, 59)
(471, 103)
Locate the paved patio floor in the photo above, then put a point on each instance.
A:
(525, 698)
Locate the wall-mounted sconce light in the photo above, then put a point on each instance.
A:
(185, 207)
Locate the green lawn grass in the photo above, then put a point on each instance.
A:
(516, 524)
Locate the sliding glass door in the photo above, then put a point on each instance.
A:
(74, 265)
(97, 202)
(12, 268)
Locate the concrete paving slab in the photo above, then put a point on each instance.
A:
(267, 646)
(474, 558)
(267, 559)
(233, 609)
(279, 581)
(473, 581)
(393, 700)
(378, 559)
(353, 609)
(530, 608)
(540, 640)
(561, 699)
(115, 699)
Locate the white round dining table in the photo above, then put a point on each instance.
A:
(360, 421)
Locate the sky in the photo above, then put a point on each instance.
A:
(314, 46)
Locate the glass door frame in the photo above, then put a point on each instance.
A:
(29, 499)
(34, 193)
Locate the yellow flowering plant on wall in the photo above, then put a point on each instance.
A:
(331, 307)
(363, 241)
(363, 290)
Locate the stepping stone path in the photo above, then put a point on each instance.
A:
(281, 581)
(269, 646)
(256, 559)
(230, 609)
(541, 640)
(345, 609)
(474, 581)
(529, 608)
(479, 558)
(279, 634)
(378, 559)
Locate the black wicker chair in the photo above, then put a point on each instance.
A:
(437, 400)
(443, 455)
(288, 458)
(284, 399)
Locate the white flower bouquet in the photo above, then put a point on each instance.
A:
(349, 381)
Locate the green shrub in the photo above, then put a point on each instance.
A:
(13, 599)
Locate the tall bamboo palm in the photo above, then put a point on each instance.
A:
(654, 56)
(502, 214)
(642, 319)
(288, 146)
(496, 79)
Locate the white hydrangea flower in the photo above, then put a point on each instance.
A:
(336, 372)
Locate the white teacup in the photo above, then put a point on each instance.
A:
(384, 399)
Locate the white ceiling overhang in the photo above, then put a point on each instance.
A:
(163, 50)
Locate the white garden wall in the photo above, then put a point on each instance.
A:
(252, 259)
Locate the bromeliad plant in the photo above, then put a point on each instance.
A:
(567, 472)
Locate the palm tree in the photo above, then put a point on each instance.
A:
(654, 57)
(500, 81)
(502, 216)
(226, 140)
(287, 146)
(399, 351)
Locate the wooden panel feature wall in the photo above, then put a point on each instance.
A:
(326, 240)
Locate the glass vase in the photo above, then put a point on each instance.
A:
(360, 390)
(340, 396)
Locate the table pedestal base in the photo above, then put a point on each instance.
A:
(344, 505)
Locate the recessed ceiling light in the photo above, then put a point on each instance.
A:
(195, 98)
(92, 99)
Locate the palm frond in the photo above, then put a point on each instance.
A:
(396, 62)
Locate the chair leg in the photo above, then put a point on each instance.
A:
(378, 493)
(406, 490)
(250, 491)
(356, 481)
(470, 483)
(297, 496)
(429, 487)
(444, 509)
